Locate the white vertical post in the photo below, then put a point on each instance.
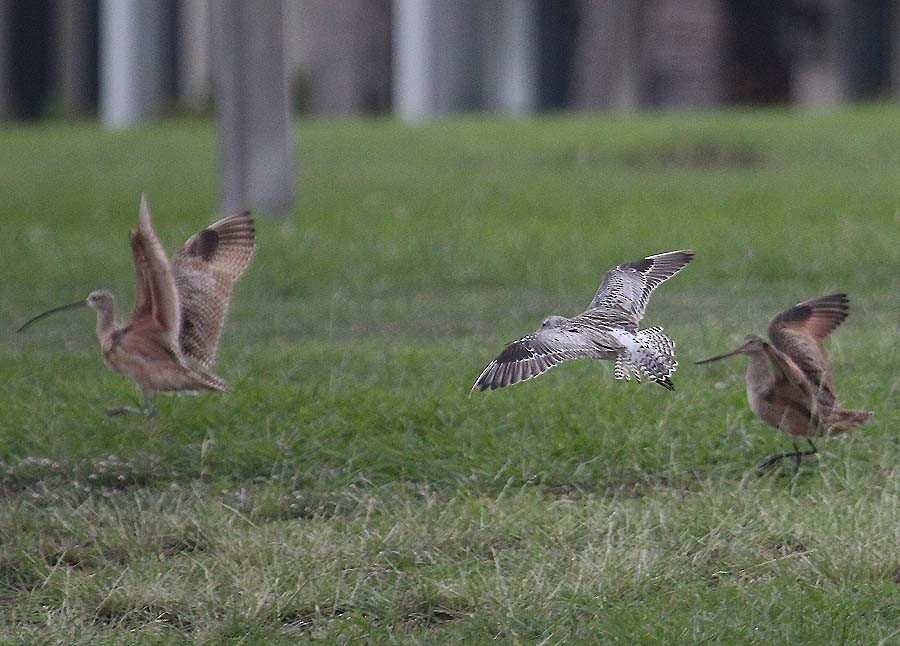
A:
(413, 52)
(438, 49)
(120, 82)
(133, 47)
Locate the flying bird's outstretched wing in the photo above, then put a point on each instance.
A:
(533, 355)
(205, 270)
(627, 288)
(799, 331)
(156, 296)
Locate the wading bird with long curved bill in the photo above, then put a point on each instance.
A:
(789, 381)
(169, 342)
(608, 330)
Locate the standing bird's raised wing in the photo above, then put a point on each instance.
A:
(156, 296)
(799, 331)
(627, 288)
(535, 354)
(205, 269)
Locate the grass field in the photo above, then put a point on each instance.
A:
(347, 488)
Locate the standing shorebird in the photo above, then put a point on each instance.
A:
(789, 381)
(169, 342)
(608, 329)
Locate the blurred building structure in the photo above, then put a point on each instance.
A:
(424, 58)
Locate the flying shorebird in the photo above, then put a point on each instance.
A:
(169, 342)
(608, 329)
(789, 381)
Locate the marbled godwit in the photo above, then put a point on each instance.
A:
(169, 342)
(789, 381)
(608, 329)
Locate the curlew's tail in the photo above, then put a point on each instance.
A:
(841, 419)
(652, 354)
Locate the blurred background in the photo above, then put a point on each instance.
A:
(127, 60)
(258, 64)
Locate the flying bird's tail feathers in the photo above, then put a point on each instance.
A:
(652, 354)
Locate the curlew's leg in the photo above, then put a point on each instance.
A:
(150, 408)
(124, 410)
(797, 457)
(812, 448)
(773, 459)
(796, 454)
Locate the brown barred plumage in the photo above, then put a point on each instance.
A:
(169, 341)
(789, 381)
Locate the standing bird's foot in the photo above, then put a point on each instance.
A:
(150, 412)
(125, 410)
(796, 454)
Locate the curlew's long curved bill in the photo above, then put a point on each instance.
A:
(61, 308)
(719, 356)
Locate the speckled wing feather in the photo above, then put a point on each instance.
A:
(626, 289)
(798, 332)
(205, 269)
(533, 355)
(156, 293)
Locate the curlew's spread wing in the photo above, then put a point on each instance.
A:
(799, 331)
(627, 288)
(156, 295)
(533, 355)
(206, 268)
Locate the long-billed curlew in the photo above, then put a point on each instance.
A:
(608, 329)
(789, 381)
(169, 342)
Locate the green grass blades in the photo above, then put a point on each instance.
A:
(348, 488)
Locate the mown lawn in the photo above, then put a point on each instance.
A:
(348, 488)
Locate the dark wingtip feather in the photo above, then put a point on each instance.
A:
(666, 383)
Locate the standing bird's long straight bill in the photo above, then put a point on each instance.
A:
(789, 381)
(61, 308)
(719, 356)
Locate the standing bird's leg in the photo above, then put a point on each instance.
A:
(796, 454)
(124, 410)
(772, 459)
(150, 407)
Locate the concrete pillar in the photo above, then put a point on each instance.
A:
(817, 80)
(194, 62)
(511, 56)
(437, 57)
(608, 62)
(133, 48)
(685, 46)
(256, 143)
(339, 55)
